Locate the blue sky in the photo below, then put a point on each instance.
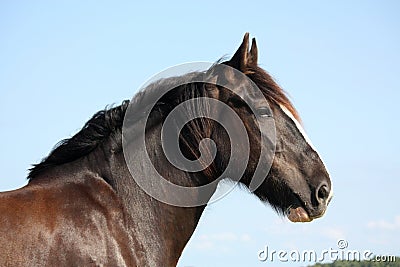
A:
(60, 62)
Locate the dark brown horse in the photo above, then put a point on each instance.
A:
(83, 207)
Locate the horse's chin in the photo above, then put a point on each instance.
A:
(298, 214)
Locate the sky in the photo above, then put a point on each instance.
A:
(62, 61)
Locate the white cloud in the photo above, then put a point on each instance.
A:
(333, 233)
(220, 241)
(245, 238)
(284, 228)
(224, 237)
(204, 245)
(385, 225)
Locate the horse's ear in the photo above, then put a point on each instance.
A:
(240, 58)
(243, 58)
(253, 57)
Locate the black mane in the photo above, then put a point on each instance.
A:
(103, 124)
(106, 123)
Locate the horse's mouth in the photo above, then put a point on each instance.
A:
(299, 214)
(303, 213)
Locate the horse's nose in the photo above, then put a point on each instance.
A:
(323, 194)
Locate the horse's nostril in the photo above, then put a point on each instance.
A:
(322, 192)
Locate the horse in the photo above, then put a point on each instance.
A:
(84, 206)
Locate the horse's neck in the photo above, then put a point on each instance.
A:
(158, 231)
(161, 230)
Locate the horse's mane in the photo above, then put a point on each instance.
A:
(108, 122)
(103, 124)
(271, 90)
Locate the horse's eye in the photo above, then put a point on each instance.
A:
(264, 112)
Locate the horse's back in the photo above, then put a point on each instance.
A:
(63, 224)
